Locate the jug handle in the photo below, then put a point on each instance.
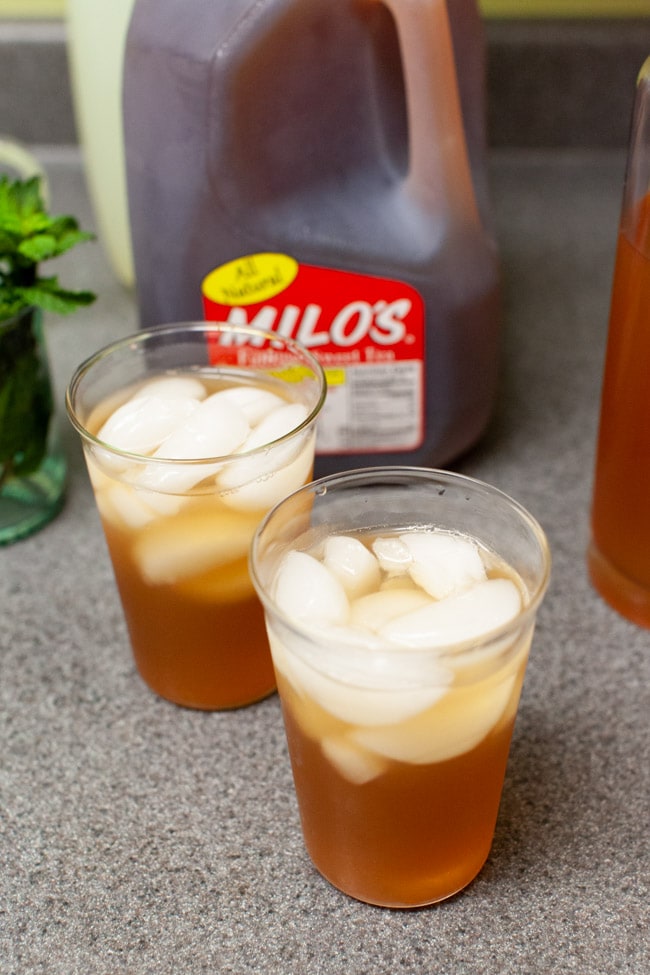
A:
(439, 169)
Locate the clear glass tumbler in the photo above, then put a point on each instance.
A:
(191, 432)
(400, 606)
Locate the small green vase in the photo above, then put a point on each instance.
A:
(32, 464)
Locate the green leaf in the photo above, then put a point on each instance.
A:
(48, 295)
(38, 248)
(21, 206)
(55, 242)
(28, 236)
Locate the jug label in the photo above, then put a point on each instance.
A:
(367, 332)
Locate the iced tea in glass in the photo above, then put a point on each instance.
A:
(400, 605)
(191, 432)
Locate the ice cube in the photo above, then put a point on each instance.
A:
(392, 554)
(353, 763)
(215, 428)
(162, 504)
(94, 462)
(258, 481)
(314, 722)
(169, 480)
(352, 563)
(336, 692)
(255, 403)
(118, 496)
(307, 592)
(192, 543)
(459, 722)
(100, 413)
(458, 619)
(278, 423)
(376, 608)
(173, 387)
(111, 464)
(229, 583)
(443, 563)
(259, 489)
(123, 505)
(140, 425)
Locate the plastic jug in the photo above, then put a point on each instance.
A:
(303, 165)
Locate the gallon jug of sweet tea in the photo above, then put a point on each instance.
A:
(306, 166)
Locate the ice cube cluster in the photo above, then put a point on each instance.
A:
(177, 422)
(444, 598)
(174, 418)
(394, 601)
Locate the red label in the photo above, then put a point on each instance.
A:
(367, 332)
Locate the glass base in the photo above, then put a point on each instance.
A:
(623, 594)
(28, 503)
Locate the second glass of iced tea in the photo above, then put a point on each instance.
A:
(191, 432)
(400, 606)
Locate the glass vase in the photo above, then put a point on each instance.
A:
(32, 463)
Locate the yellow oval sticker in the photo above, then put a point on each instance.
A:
(249, 280)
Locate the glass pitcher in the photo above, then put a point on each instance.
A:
(619, 551)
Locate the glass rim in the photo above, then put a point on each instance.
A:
(404, 472)
(196, 326)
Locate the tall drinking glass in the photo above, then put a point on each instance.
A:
(619, 552)
(191, 432)
(400, 605)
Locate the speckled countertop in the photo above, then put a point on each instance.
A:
(139, 838)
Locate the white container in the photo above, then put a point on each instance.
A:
(96, 38)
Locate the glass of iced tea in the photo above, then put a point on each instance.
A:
(400, 606)
(191, 432)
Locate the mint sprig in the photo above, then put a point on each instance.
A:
(29, 236)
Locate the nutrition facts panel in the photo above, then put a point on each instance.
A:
(372, 408)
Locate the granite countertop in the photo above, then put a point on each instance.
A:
(137, 837)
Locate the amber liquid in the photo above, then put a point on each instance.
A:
(619, 557)
(200, 643)
(415, 834)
